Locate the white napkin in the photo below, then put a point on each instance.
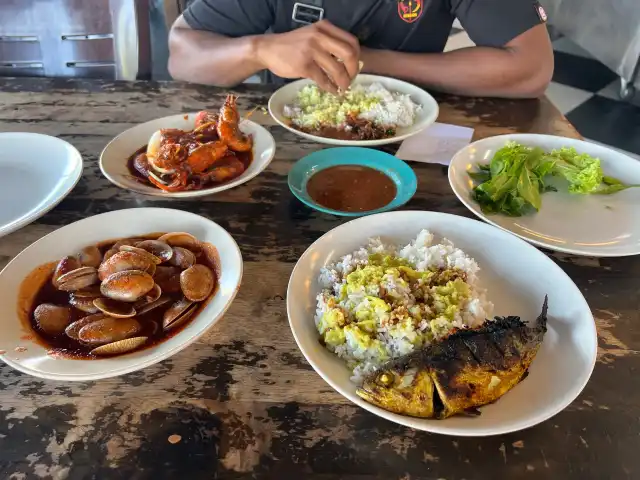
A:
(436, 144)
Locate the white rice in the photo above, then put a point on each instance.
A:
(313, 107)
(398, 333)
(394, 109)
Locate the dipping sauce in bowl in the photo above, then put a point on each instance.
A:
(352, 181)
(351, 188)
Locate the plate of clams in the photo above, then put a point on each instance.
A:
(115, 293)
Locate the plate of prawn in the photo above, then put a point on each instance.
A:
(189, 155)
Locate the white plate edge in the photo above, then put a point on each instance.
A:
(195, 193)
(487, 219)
(431, 425)
(156, 358)
(24, 221)
(427, 122)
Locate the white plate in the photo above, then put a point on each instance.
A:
(425, 117)
(596, 225)
(563, 364)
(113, 160)
(36, 172)
(71, 238)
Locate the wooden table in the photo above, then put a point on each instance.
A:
(243, 400)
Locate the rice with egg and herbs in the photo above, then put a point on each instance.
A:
(314, 108)
(381, 302)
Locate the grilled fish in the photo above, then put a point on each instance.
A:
(468, 369)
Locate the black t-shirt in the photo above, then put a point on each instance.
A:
(377, 23)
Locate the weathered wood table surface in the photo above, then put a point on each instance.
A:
(243, 400)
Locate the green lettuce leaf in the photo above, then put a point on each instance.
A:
(515, 179)
(582, 171)
(529, 188)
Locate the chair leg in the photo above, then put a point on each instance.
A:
(627, 87)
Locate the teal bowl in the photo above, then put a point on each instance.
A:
(401, 174)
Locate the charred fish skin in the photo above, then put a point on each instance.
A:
(468, 369)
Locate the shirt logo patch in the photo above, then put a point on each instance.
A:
(541, 13)
(410, 10)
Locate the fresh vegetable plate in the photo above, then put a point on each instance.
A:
(604, 222)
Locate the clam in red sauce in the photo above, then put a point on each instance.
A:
(136, 297)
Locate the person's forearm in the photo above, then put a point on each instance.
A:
(208, 58)
(477, 71)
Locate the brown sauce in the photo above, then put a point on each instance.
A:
(358, 130)
(37, 288)
(351, 188)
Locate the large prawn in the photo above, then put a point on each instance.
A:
(206, 155)
(228, 129)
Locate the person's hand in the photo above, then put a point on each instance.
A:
(320, 51)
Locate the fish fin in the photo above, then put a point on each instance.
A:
(472, 387)
(439, 410)
(541, 321)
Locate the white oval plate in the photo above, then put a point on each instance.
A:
(71, 238)
(113, 160)
(563, 364)
(425, 117)
(594, 225)
(36, 172)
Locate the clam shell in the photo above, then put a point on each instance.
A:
(90, 256)
(109, 329)
(181, 319)
(109, 253)
(119, 347)
(52, 319)
(182, 258)
(141, 251)
(168, 278)
(159, 249)
(181, 239)
(155, 328)
(77, 279)
(66, 265)
(127, 286)
(84, 304)
(123, 260)
(113, 308)
(153, 295)
(73, 328)
(126, 241)
(89, 292)
(197, 282)
(150, 306)
(175, 311)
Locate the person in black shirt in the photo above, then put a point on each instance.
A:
(224, 42)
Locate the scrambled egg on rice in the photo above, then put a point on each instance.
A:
(380, 305)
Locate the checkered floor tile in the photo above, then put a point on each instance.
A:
(587, 93)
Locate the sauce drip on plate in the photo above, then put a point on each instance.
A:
(351, 188)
